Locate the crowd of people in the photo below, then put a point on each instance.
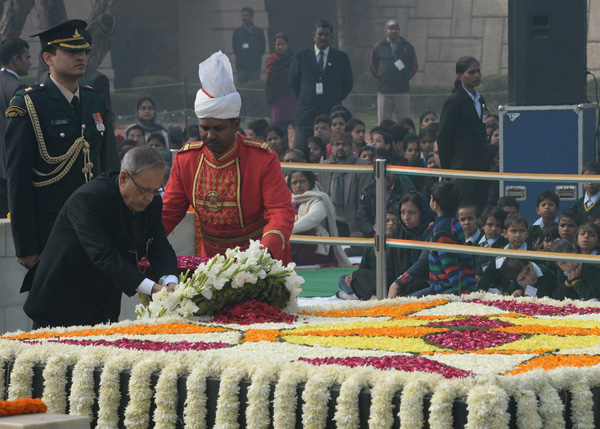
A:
(304, 89)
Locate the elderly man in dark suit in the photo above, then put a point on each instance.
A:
(321, 77)
(16, 60)
(104, 229)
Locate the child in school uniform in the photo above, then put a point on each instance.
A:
(547, 206)
(510, 205)
(587, 205)
(574, 279)
(492, 223)
(515, 231)
(587, 238)
(412, 156)
(468, 216)
(449, 272)
(427, 137)
(568, 222)
(526, 278)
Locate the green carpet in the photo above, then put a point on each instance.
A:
(322, 282)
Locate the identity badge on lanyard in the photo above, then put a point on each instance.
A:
(319, 88)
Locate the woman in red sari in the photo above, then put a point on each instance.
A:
(280, 96)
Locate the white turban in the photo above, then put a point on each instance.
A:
(218, 97)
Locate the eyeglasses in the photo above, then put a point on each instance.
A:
(338, 144)
(146, 191)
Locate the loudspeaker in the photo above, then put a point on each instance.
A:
(547, 52)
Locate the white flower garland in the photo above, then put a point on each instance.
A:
(137, 413)
(411, 404)
(55, 383)
(195, 404)
(382, 395)
(442, 401)
(257, 412)
(487, 405)
(286, 396)
(316, 396)
(110, 392)
(347, 413)
(21, 376)
(228, 403)
(165, 415)
(582, 415)
(7, 354)
(82, 397)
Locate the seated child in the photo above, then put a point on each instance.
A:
(367, 152)
(568, 222)
(510, 205)
(356, 127)
(363, 280)
(449, 272)
(574, 279)
(526, 278)
(547, 206)
(492, 223)
(427, 137)
(586, 205)
(515, 231)
(468, 216)
(586, 238)
(411, 154)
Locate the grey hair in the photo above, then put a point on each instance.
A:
(142, 158)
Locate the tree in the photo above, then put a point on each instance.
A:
(101, 25)
(14, 14)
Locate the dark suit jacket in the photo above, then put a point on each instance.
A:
(9, 84)
(34, 209)
(89, 262)
(304, 75)
(461, 137)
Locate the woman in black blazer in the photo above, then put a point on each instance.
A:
(462, 136)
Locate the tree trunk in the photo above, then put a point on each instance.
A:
(14, 14)
(101, 25)
(49, 14)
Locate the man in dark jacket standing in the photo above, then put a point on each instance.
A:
(321, 78)
(393, 63)
(248, 47)
(16, 60)
(104, 229)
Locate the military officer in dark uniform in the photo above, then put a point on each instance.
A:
(56, 140)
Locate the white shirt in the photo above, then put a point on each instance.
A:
(11, 72)
(540, 222)
(325, 52)
(500, 261)
(146, 284)
(475, 97)
(64, 91)
(591, 199)
(488, 242)
(474, 238)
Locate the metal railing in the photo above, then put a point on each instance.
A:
(381, 242)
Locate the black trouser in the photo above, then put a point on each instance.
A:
(3, 198)
(473, 191)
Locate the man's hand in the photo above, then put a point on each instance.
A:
(157, 288)
(28, 261)
(393, 290)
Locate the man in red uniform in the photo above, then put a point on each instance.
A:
(235, 184)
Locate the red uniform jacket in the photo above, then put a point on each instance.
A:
(238, 195)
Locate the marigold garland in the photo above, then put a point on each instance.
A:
(22, 406)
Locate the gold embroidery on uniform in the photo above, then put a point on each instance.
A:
(279, 233)
(14, 111)
(239, 191)
(196, 181)
(213, 201)
(65, 161)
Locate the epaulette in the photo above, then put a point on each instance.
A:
(34, 88)
(87, 87)
(257, 143)
(193, 145)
